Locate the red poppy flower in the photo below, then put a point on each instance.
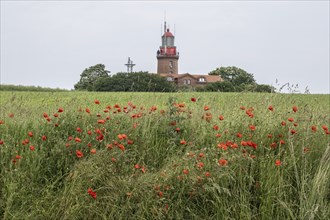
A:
(242, 107)
(91, 193)
(1, 142)
(121, 147)
(101, 121)
(252, 127)
(278, 163)
(45, 115)
(93, 151)
(130, 142)
(221, 118)
(185, 171)
(282, 142)
(207, 174)
(137, 166)
(206, 108)
(44, 137)
(96, 101)
(78, 129)
(60, 110)
(290, 119)
(270, 108)
(77, 140)
(200, 165)
(193, 99)
(30, 134)
(55, 115)
(88, 111)
(160, 194)
(314, 129)
(216, 127)
(295, 108)
(79, 154)
(223, 162)
(32, 148)
(183, 142)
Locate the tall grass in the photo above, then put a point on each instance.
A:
(179, 161)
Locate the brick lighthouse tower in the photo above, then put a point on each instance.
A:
(167, 55)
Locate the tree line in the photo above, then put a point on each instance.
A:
(97, 78)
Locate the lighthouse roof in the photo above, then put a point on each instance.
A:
(168, 33)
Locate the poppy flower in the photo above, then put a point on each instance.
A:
(216, 127)
(207, 174)
(221, 118)
(44, 137)
(55, 115)
(18, 157)
(32, 148)
(278, 163)
(242, 107)
(137, 166)
(97, 102)
(78, 129)
(183, 142)
(206, 108)
(223, 162)
(77, 140)
(193, 99)
(79, 154)
(91, 193)
(252, 127)
(282, 142)
(290, 119)
(185, 171)
(130, 142)
(45, 115)
(93, 151)
(121, 147)
(200, 165)
(270, 108)
(1, 142)
(325, 128)
(314, 129)
(294, 108)
(1, 122)
(30, 134)
(101, 121)
(88, 111)
(60, 110)
(160, 194)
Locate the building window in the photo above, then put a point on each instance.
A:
(171, 72)
(201, 79)
(169, 78)
(171, 64)
(186, 82)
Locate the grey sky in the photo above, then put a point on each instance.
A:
(50, 43)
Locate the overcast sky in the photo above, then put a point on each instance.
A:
(50, 43)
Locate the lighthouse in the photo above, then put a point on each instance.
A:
(167, 55)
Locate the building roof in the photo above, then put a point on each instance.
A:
(208, 78)
(168, 33)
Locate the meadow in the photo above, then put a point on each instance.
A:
(79, 155)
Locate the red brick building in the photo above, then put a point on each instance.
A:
(167, 66)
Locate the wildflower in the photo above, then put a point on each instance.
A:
(30, 134)
(45, 115)
(252, 127)
(44, 137)
(314, 129)
(290, 119)
(206, 108)
(200, 165)
(93, 151)
(88, 111)
(130, 142)
(97, 102)
(32, 148)
(137, 166)
(1, 142)
(91, 193)
(193, 99)
(101, 121)
(278, 163)
(55, 115)
(223, 162)
(270, 108)
(215, 127)
(283, 123)
(207, 174)
(77, 140)
(282, 142)
(78, 129)
(1, 122)
(293, 131)
(294, 108)
(183, 142)
(160, 194)
(60, 110)
(11, 115)
(121, 147)
(242, 107)
(18, 157)
(269, 135)
(221, 118)
(185, 171)
(79, 154)
(325, 128)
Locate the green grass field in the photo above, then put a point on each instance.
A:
(78, 155)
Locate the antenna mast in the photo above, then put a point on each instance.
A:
(129, 65)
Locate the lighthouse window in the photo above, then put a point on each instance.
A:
(171, 64)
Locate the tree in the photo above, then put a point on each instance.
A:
(234, 75)
(134, 82)
(90, 75)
